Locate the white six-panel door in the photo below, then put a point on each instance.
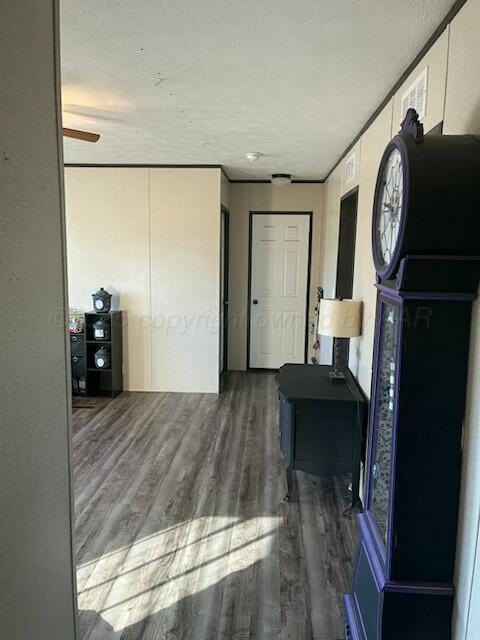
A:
(279, 278)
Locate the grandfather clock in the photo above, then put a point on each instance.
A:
(426, 251)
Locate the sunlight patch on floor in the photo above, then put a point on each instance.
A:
(155, 572)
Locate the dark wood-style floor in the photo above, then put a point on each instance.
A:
(181, 530)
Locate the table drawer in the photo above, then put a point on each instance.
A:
(323, 435)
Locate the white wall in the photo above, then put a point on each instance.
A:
(246, 197)
(152, 237)
(37, 577)
(454, 97)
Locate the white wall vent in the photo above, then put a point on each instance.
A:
(350, 168)
(416, 95)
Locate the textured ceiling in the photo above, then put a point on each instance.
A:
(205, 81)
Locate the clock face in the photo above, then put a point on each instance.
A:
(389, 208)
(98, 304)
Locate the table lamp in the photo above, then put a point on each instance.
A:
(339, 318)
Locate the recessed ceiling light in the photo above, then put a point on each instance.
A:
(253, 156)
(281, 179)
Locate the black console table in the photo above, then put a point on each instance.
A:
(322, 423)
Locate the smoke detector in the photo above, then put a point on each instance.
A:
(253, 156)
(281, 179)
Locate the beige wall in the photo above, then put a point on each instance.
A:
(225, 191)
(328, 250)
(453, 96)
(37, 567)
(462, 115)
(151, 236)
(108, 218)
(246, 197)
(436, 60)
(185, 250)
(373, 144)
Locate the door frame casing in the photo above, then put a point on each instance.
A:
(309, 268)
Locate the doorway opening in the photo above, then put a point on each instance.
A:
(347, 234)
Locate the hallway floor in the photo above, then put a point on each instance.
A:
(181, 529)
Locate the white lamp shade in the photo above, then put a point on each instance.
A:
(340, 318)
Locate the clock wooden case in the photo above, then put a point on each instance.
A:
(426, 251)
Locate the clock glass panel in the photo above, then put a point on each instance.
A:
(384, 416)
(390, 206)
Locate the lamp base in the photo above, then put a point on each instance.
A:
(337, 376)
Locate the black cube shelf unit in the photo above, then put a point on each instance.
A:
(109, 381)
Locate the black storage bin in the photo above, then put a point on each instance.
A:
(78, 366)
(77, 344)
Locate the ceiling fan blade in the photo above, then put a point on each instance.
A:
(80, 135)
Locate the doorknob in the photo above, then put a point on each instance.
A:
(255, 301)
